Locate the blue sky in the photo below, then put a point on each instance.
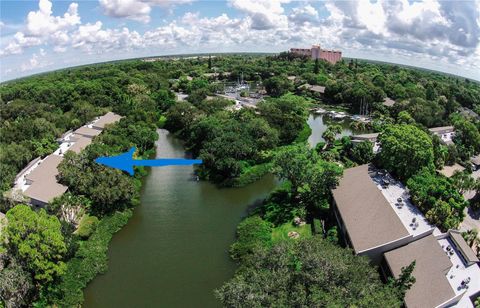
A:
(43, 35)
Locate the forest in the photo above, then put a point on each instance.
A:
(48, 257)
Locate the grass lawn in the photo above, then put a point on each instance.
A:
(281, 232)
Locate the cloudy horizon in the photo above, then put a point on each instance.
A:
(39, 36)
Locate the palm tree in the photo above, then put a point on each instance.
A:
(463, 181)
(470, 236)
(330, 134)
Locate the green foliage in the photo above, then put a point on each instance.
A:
(437, 198)
(229, 143)
(15, 285)
(252, 233)
(279, 208)
(467, 138)
(90, 260)
(252, 174)
(311, 178)
(35, 240)
(405, 149)
(287, 114)
(332, 235)
(87, 226)
(362, 152)
(330, 134)
(277, 86)
(317, 227)
(464, 181)
(406, 280)
(109, 189)
(304, 134)
(310, 272)
(427, 112)
(405, 118)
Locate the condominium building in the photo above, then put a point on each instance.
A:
(38, 180)
(316, 52)
(377, 219)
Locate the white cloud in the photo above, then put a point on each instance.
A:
(41, 26)
(138, 10)
(132, 9)
(264, 14)
(303, 14)
(35, 62)
(41, 22)
(92, 38)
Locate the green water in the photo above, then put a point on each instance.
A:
(319, 124)
(174, 250)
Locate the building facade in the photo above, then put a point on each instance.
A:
(316, 52)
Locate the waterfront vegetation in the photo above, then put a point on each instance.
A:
(288, 249)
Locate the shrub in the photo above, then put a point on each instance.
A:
(317, 226)
(87, 225)
(252, 233)
(90, 260)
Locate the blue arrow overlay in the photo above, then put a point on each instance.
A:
(126, 162)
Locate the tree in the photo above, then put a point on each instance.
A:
(69, 208)
(437, 198)
(467, 138)
(316, 68)
(311, 178)
(470, 236)
(330, 134)
(180, 116)
(307, 273)
(36, 241)
(405, 118)
(277, 86)
(463, 181)
(406, 280)
(287, 114)
(405, 149)
(362, 152)
(108, 189)
(15, 286)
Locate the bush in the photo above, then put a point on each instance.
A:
(90, 260)
(332, 235)
(304, 134)
(317, 226)
(87, 225)
(252, 233)
(251, 174)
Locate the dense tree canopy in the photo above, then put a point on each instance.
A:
(405, 150)
(35, 240)
(287, 114)
(307, 273)
(437, 198)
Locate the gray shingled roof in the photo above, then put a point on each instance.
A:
(46, 190)
(46, 170)
(431, 287)
(87, 131)
(106, 119)
(80, 144)
(466, 251)
(368, 217)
